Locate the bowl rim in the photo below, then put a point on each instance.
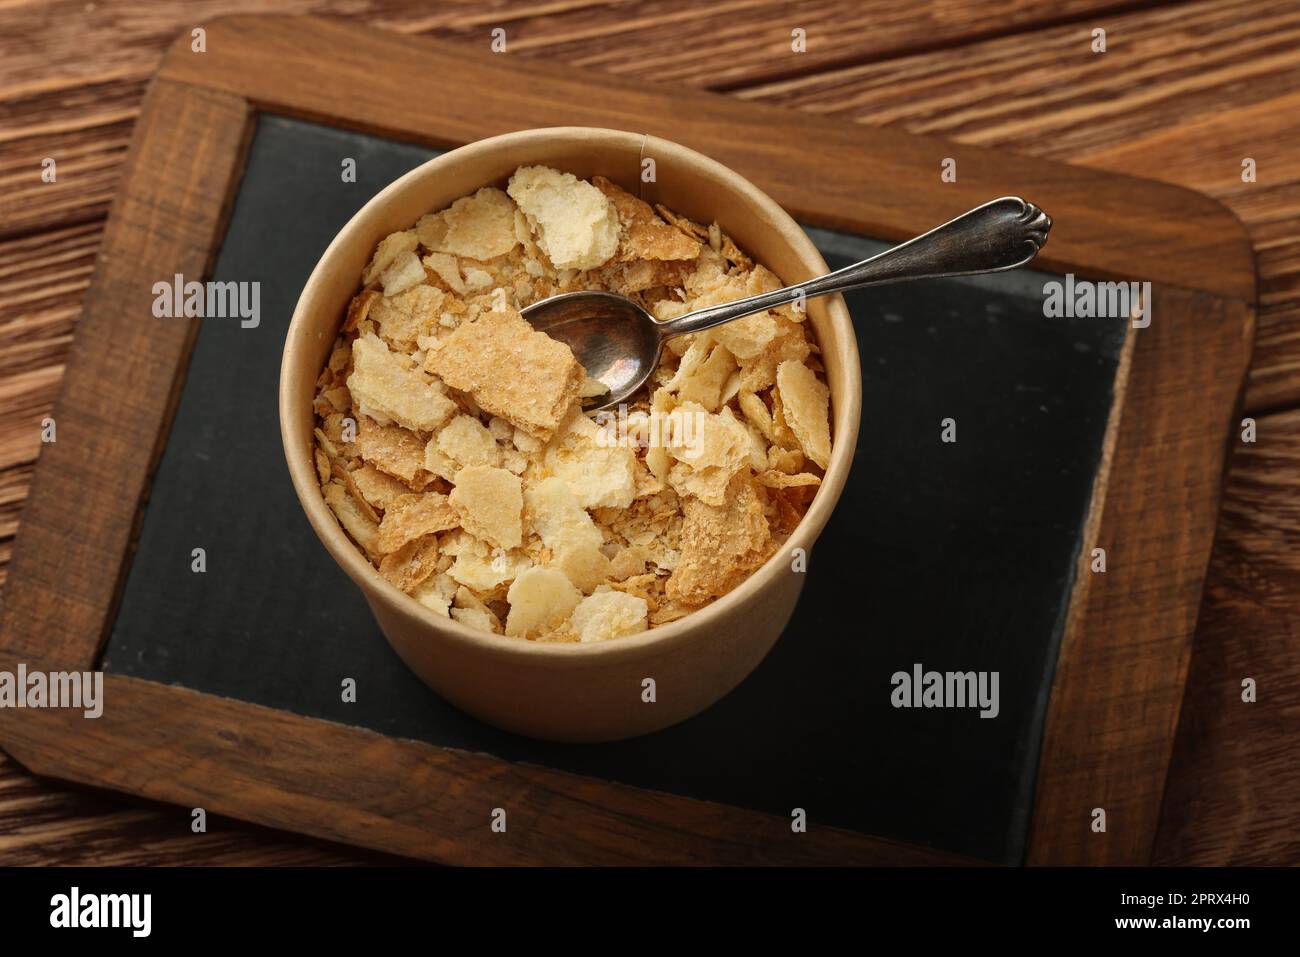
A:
(349, 557)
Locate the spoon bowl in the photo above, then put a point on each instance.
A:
(616, 341)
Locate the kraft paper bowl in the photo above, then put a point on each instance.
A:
(575, 692)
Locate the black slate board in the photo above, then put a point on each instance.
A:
(957, 556)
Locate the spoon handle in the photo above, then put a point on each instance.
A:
(999, 235)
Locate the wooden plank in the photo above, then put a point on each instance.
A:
(71, 85)
(45, 823)
(1182, 95)
(1119, 681)
(114, 403)
(43, 279)
(64, 43)
(1234, 778)
(85, 130)
(56, 103)
(1182, 239)
(402, 797)
(721, 46)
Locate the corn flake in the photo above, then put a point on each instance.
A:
(571, 220)
(466, 441)
(404, 272)
(721, 544)
(568, 532)
(389, 387)
(413, 516)
(410, 565)
(609, 614)
(481, 226)
(490, 504)
(402, 319)
(540, 600)
(395, 450)
(389, 250)
(511, 370)
(598, 471)
(806, 403)
(350, 515)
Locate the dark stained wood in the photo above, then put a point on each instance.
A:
(1182, 238)
(1183, 94)
(1235, 773)
(123, 372)
(723, 46)
(344, 783)
(1123, 661)
(86, 133)
(402, 797)
(42, 280)
(74, 75)
(47, 822)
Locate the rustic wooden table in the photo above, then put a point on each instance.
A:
(1184, 92)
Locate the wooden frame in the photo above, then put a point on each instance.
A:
(1123, 660)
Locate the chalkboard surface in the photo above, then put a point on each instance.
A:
(955, 556)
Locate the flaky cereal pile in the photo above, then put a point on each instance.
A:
(453, 448)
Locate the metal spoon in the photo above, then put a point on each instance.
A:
(619, 343)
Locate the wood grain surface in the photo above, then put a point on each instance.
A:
(1234, 778)
(1183, 94)
(411, 797)
(836, 188)
(1122, 666)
